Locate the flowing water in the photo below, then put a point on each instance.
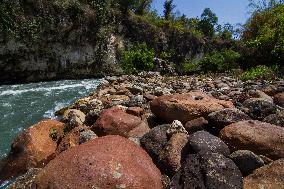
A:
(24, 105)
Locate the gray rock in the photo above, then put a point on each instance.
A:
(276, 119)
(207, 171)
(86, 136)
(225, 117)
(203, 141)
(246, 161)
(259, 108)
(25, 181)
(135, 89)
(155, 140)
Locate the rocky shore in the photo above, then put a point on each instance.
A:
(153, 131)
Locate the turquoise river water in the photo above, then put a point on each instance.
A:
(25, 104)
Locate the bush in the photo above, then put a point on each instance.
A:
(220, 61)
(263, 38)
(138, 58)
(189, 66)
(260, 72)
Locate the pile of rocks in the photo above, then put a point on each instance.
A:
(150, 131)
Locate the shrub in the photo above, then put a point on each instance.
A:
(220, 61)
(138, 58)
(189, 66)
(263, 38)
(260, 72)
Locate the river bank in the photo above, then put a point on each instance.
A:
(153, 131)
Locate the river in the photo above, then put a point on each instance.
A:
(25, 104)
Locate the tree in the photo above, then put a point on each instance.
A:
(262, 5)
(143, 6)
(263, 37)
(208, 22)
(168, 9)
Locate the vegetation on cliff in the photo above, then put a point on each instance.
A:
(75, 38)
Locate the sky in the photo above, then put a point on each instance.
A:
(228, 11)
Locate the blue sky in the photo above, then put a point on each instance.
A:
(228, 11)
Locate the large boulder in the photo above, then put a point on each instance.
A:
(209, 170)
(155, 140)
(33, 148)
(105, 162)
(166, 144)
(115, 121)
(186, 107)
(259, 137)
(203, 141)
(269, 177)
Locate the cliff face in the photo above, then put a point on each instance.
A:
(64, 39)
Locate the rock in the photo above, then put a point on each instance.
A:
(209, 170)
(136, 101)
(227, 116)
(87, 105)
(276, 119)
(186, 107)
(195, 125)
(155, 140)
(279, 99)
(171, 156)
(86, 136)
(259, 137)
(268, 177)
(136, 89)
(246, 161)
(33, 148)
(202, 141)
(80, 116)
(165, 144)
(176, 127)
(115, 121)
(25, 181)
(259, 108)
(136, 111)
(140, 130)
(72, 139)
(105, 162)
(158, 91)
(149, 97)
(111, 79)
(113, 100)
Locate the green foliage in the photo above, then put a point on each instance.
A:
(53, 134)
(220, 61)
(138, 58)
(208, 22)
(189, 66)
(260, 72)
(168, 9)
(263, 38)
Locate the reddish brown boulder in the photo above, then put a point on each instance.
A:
(269, 177)
(186, 107)
(136, 111)
(259, 137)
(279, 99)
(105, 162)
(33, 148)
(115, 121)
